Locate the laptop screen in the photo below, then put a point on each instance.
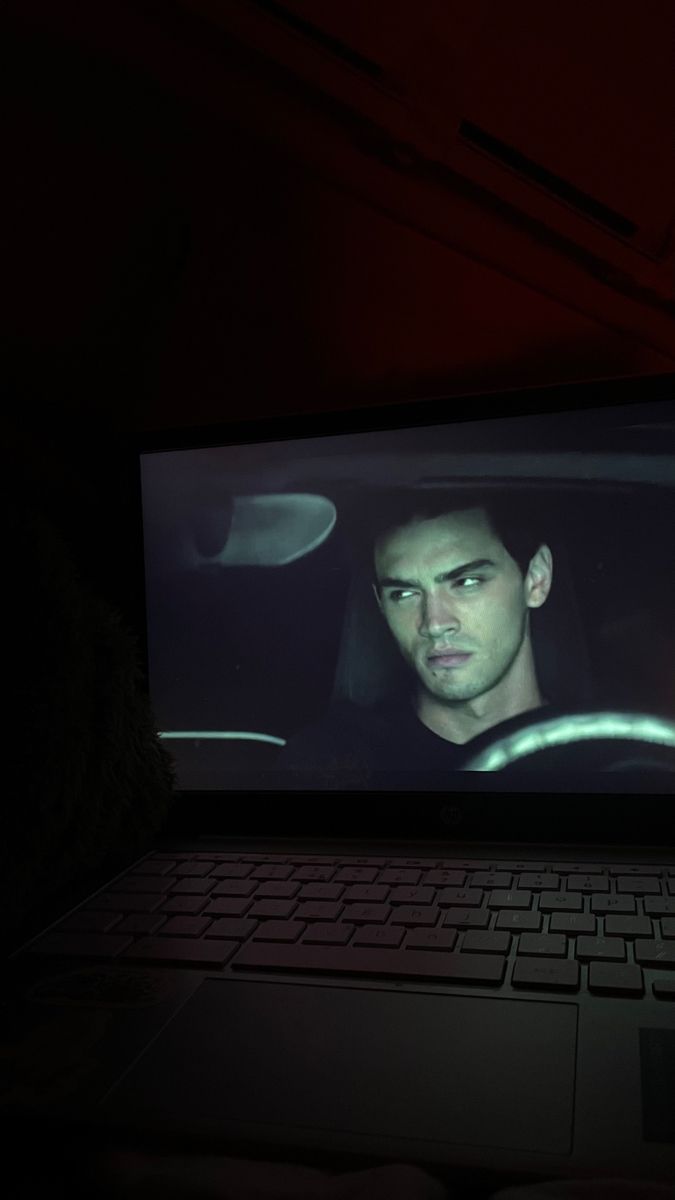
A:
(417, 602)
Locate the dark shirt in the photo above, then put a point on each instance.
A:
(387, 737)
(368, 743)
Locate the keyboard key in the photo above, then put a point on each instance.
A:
(235, 887)
(183, 904)
(561, 902)
(575, 868)
(363, 914)
(664, 989)
(193, 887)
(154, 866)
(196, 951)
(634, 869)
(616, 979)
(551, 974)
(612, 904)
(601, 947)
(413, 914)
(588, 883)
(272, 908)
(539, 881)
(273, 871)
(467, 918)
(367, 892)
(422, 863)
(466, 897)
(265, 858)
(87, 945)
(232, 927)
(551, 945)
(465, 864)
(356, 875)
(227, 906)
(318, 891)
(573, 923)
(524, 865)
(316, 874)
(432, 939)
(513, 898)
(378, 935)
(638, 885)
(399, 875)
(412, 895)
(318, 910)
(361, 861)
(279, 931)
(629, 927)
(655, 953)
(195, 868)
(519, 921)
(232, 870)
(658, 907)
(383, 963)
(491, 879)
(185, 926)
(329, 934)
(479, 941)
(283, 889)
(323, 860)
(444, 878)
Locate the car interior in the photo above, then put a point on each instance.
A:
(268, 549)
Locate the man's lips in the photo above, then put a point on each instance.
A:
(450, 658)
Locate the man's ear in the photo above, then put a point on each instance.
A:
(539, 577)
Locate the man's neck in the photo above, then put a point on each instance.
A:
(461, 725)
(461, 721)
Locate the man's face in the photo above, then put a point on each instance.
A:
(448, 586)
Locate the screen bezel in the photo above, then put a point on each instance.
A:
(632, 816)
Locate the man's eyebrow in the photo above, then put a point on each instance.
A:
(474, 565)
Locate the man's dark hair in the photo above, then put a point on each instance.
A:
(517, 520)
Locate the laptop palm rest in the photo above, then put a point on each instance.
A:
(460, 1070)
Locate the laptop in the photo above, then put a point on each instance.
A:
(470, 969)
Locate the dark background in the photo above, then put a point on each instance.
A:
(175, 252)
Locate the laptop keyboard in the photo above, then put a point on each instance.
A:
(551, 926)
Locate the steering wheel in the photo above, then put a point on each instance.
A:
(632, 742)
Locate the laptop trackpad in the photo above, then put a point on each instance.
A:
(459, 1070)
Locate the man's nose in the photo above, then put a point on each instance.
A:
(439, 615)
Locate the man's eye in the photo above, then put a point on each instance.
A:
(468, 584)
